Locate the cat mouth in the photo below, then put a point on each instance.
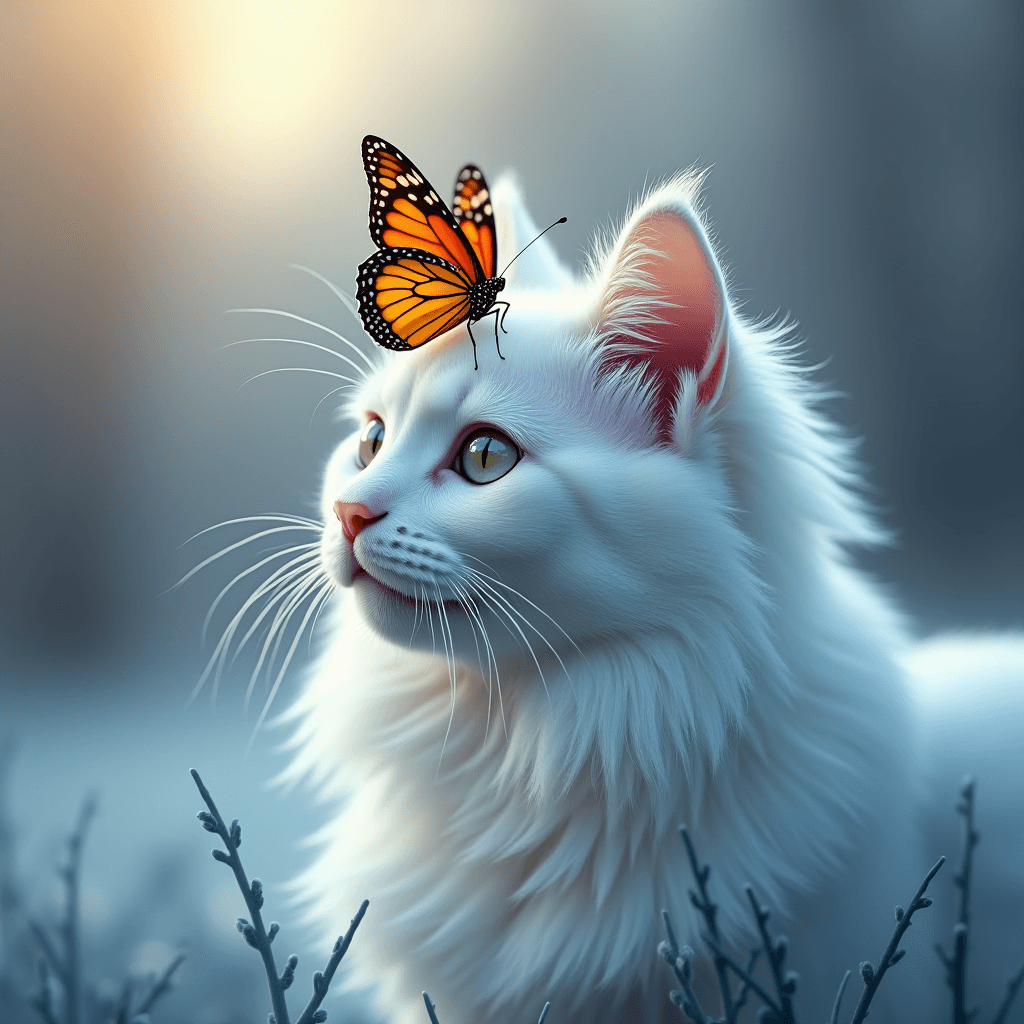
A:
(360, 572)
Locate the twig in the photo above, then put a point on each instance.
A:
(741, 999)
(72, 874)
(321, 982)
(65, 964)
(1012, 986)
(785, 981)
(41, 1001)
(256, 935)
(956, 965)
(873, 978)
(834, 1019)
(746, 977)
(430, 1009)
(681, 962)
(702, 902)
(160, 987)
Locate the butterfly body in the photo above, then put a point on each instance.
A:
(434, 268)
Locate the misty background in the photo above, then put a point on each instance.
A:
(161, 163)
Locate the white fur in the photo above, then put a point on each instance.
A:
(700, 651)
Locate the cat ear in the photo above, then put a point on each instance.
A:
(539, 267)
(662, 306)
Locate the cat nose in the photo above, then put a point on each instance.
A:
(354, 516)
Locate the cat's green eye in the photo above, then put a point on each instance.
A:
(370, 441)
(486, 456)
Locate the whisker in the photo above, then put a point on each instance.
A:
(509, 611)
(334, 391)
(324, 600)
(219, 655)
(300, 369)
(347, 300)
(497, 612)
(231, 547)
(248, 572)
(361, 370)
(298, 521)
(476, 619)
(284, 668)
(523, 597)
(278, 591)
(449, 650)
(297, 592)
(311, 323)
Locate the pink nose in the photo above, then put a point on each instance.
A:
(354, 516)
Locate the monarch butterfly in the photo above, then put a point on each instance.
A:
(434, 267)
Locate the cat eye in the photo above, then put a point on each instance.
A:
(486, 456)
(370, 441)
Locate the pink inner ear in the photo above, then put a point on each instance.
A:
(684, 278)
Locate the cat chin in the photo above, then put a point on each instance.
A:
(435, 626)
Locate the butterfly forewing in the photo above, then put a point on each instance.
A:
(406, 212)
(474, 214)
(408, 297)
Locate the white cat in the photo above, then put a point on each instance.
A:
(600, 589)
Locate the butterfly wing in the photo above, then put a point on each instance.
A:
(475, 216)
(407, 297)
(406, 213)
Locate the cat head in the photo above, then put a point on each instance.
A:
(569, 493)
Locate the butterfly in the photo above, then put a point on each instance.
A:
(434, 267)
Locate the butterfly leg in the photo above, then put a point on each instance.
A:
(469, 327)
(496, 344)
(508, 306)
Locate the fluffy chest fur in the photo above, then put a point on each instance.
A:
(649, 620)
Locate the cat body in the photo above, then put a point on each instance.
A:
(650, 620)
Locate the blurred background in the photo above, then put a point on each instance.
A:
(161, 163)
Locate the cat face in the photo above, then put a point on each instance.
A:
(543, 500)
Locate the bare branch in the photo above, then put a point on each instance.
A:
(257, 936)
(1012, 987)
(702, 902)
(321, 982)
(873, 978)
(834, 1019)
(956, 965)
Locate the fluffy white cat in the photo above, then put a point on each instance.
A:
(600, 589)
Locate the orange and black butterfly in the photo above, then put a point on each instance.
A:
(434, 267)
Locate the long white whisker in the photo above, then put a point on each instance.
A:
(248, 572)
(311, 323)
(298, 522)
(501, 701)
(333, 391)
(449, 650)
(231, 547)
(347, 301)
(361, 370)
(476, 619)
(297, 592)
(284, 668)
(430, 622)
(324, 600)
(280, 627)
(298, 369)
(523, 597)
(278, 591)
(219, 655)
(509, 612)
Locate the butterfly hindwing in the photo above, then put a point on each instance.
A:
(408, 297)
(406, 212)
(474, 214)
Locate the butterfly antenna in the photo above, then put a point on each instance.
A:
(561, 220)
